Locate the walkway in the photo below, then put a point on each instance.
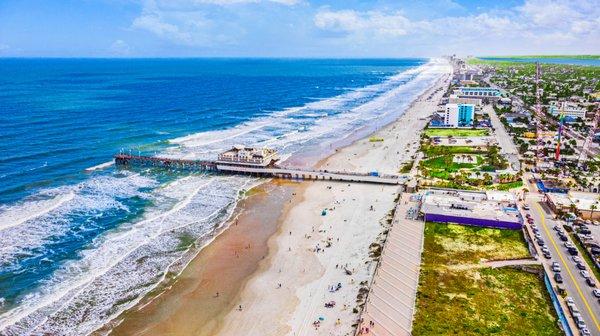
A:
(391, 301)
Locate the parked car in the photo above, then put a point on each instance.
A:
(590, 282)
(547, 255)
(569, 299)
(556, 268)
(596, 293)
(541, 242)
(563, 238)
(525, 207)
(558, 278)
(573, 251)
(580, 266)
(584, 274)
(585, 332)
(595, 250)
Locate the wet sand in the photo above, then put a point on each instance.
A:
(190, 305)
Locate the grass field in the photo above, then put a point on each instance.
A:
(456, 296)
(456, 132)
(430, 150)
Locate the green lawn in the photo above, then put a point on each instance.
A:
(446, 163)
(455, 132)
(457, 297)
(430, 150)
(507, 186)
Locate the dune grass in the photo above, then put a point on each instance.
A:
(457, 296)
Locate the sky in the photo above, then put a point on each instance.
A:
(297, 28)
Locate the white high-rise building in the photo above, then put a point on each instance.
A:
(459, 115)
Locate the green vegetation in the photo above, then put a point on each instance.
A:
(551, 56)
(455, 132)
(430, 150)
(507, 186)
(407, 167)
(472, 170)
(457, 296)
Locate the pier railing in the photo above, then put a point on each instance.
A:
(269, 171)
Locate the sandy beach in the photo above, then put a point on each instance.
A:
(316, 249)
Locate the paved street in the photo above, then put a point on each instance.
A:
(507, 146)
(574, 283)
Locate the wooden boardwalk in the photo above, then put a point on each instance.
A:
(391, 301)
(269, 171)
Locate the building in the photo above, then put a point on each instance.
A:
(455, 99)
(511, 117)
(568, 109)
(586, 205)
(487, 93)
(459, 115)
(248, 156)
(494, 209)
(551, 186)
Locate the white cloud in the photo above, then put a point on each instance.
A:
(349, 21)
(155, 24)
(536, 22)
(119, 48)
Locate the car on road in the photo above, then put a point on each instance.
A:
(538, 235)
(590, 282)
(584, 274)
(585, 332)
(596, 293)
(547, 255)
(558, 278)
(556, 268)
(573, 251)
(541, 242)
(525, 206)
(576, 259)
(570, 300)
(580, 266)
(563, 238)
(581, 324)
(545, 249)
(568, 244)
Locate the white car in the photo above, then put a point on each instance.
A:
(570, 300)
(596, 293)
(584, 274)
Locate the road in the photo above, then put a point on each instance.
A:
(574, 283)
(509, 150)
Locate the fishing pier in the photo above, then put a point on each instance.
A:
(262, 165)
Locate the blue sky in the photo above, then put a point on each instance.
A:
(296, 28)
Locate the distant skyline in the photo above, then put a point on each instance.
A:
(297, 28)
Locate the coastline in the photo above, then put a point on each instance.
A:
(282, 252)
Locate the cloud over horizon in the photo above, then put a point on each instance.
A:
(348, 28)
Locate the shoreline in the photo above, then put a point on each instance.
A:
(259, 281)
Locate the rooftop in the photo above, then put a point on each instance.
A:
(487, 205)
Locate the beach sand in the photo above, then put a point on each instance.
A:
(282, 289)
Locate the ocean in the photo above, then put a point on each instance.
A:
(82, 240)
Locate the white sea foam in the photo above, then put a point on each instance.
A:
(123, 264)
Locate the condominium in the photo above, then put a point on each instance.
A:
(459, 115)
